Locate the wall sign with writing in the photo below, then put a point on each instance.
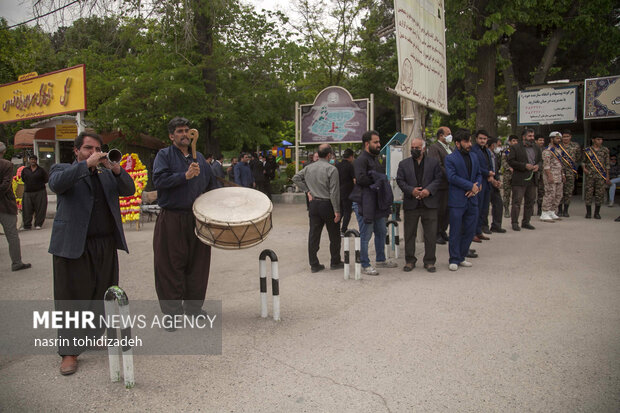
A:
(421, 47)
(56, 93)
(602, 98)
(547, 106)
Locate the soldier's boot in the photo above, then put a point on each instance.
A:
(588, 211)
(539, 212)
(560, 213)
(565, 214)
(597, 209)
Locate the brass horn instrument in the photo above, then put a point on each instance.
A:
(114, 156)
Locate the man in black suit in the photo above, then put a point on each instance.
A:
(419, 178)
(218, 170)
(526, 160)
(346, 175)
(439, 150)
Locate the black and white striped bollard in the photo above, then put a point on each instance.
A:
(275, 284)
(117, 294)
(387, 238)
(347, 254)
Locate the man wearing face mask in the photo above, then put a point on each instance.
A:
(496, 197)
(526, 160)
(439, 150)
(465, 182)
(419, 178)
(320, 182)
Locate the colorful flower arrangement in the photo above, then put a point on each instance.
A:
(17, 180)
(130, 205)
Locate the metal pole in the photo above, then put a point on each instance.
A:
(372, 111)
(114, 295)
(347, 254)
(297, 127)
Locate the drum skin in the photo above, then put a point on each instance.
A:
(232, 218)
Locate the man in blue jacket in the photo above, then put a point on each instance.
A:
(243, 172)
(182, 261)
(86, 233)
(479, 148)
(465, 182)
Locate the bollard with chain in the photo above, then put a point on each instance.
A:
(112, 295)
(275, 283)
(347, 254)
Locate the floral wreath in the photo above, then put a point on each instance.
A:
(130, 205)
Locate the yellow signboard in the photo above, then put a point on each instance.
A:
(56, 93)
(66, 132)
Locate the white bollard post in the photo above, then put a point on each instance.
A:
(114, 295)
(347, 254)
(275, 284)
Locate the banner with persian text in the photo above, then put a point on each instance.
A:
(546, 106)
(56, 93)
(421, 47)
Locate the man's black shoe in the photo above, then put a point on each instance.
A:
(499, 230)
(170, 329)
(317, 268)
(527, 225)
(471, 251)
(336, 266)
(21, 266)
(472, 255)
(515, 227)
(201, 312)
(486, 230)
(440, 240)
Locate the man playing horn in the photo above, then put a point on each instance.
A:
(181, 261)
(86, 234)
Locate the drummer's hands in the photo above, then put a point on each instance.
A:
(336, 217)
(192, 171)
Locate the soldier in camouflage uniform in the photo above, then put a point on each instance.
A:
(553, 177)
(574, 151)
(596, 178)
(507, 174)
(540, 141)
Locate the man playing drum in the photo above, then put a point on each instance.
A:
(181, 261)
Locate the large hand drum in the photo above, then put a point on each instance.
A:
(232, 218)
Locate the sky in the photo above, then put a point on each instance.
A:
(17, 11)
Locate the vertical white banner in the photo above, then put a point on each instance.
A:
(421, 47)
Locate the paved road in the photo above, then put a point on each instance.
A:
(533, 326)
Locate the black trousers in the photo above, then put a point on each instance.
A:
(34, 202)
(182, 263)
(86, 279)
(497, 206)
(346, 209)
(429, 223)
(443, 214)
(519, 194)
(321, 213)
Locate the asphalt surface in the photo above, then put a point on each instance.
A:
(534, 325)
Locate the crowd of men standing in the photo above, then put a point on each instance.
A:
(451, 190)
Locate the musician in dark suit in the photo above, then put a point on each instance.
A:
(439, 150)
(526, 160)
(419, 178)
(86, 233)
(463, 171)
(479, 148)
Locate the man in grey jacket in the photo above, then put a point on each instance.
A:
(320, 181)
(86, 233)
